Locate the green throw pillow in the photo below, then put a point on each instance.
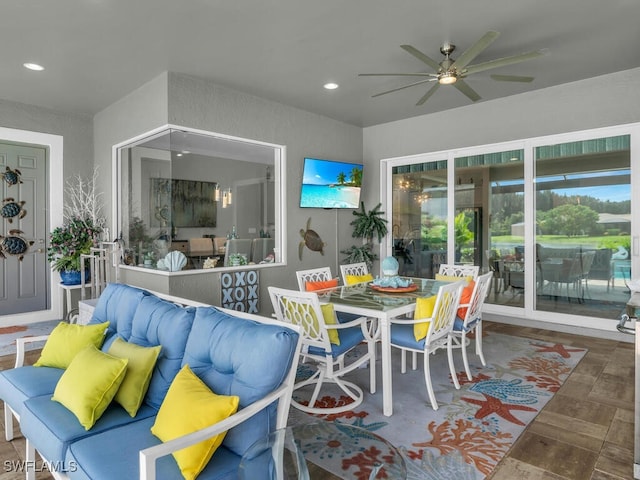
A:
(89, 384)
(66, 340)
(139, 370)
(190, 406)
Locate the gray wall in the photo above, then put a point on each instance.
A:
(197, 103)
(597, 102)
(77, 131)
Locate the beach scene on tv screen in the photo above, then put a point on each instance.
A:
(327, 184)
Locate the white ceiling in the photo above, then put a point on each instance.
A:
(97, 51)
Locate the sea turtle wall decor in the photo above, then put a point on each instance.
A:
(12, 177)
(14, 244)
(311, 239)
(11, 209)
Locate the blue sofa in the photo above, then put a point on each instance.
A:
(252, 357)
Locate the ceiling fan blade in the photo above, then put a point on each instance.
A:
(421, 56)
(511, 78)
(403, 87)
(427, 95)
(467, 90)
(472, 52)
(501, 62)
(398, 74)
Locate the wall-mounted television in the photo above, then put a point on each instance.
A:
(330, 184)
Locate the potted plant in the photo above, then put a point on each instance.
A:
(366, 226)
(81, 230)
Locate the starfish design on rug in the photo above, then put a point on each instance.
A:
(493, 405)
(561, 350)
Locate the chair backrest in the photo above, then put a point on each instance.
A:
(459, 270)
(201, 246)
(261, 248)
(237, 246)
(586, 259)
(478, 297)
(444, 311)
(303, 310)
(321, 274)
(103, 263)
(353, 269)
(218, 244)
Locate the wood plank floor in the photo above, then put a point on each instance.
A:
(584, 432)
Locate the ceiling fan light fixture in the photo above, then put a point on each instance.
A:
(447, 78)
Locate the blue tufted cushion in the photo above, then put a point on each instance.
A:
(117, 305)
(235, 356)
(114, 454)
(51, 427)
(20, 384)
(159, 322)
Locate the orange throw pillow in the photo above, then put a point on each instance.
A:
(466, 298)
(321, 285)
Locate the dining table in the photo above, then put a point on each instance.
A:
(383, 304)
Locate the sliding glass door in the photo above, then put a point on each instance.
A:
(583, 226)
(551, 217)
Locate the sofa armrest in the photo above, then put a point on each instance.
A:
(148, 456)
(20, 347)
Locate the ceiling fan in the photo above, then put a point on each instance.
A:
(453, 72)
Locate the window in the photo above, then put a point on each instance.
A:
(199, 193)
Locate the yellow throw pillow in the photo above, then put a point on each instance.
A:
(452, 278)
(89, 384)
(353, 279)
(424, 309)
(190, 406)
(66, 340)
(139, 369)
(328, 314)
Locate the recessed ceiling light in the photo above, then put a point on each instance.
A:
(331, 86)
(34, 66)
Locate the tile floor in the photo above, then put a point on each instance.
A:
(584, 432)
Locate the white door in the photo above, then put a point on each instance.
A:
(24, 284)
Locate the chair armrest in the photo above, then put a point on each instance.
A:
(20, 347)
(148, 456)
(352, 323)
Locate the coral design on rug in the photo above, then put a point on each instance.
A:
(474, 426)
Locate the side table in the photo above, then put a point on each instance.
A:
(322, 450)
(65, 297)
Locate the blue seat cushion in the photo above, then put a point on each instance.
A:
(20, 384)
(349, 338)
(458, 324)
(344, 317)
(114, 454)
(403, 336)
(236, 356)
(117, 305)
(51, 427)
(159, 322)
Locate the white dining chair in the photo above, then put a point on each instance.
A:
(353, 269)
(471, 320)
(438, 335)
(326, 355)
(322, 274)
(459, 270)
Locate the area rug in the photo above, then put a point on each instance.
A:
(473, 428)
(9, 335)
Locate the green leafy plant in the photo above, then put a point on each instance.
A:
(68, 242)
(366, 226)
